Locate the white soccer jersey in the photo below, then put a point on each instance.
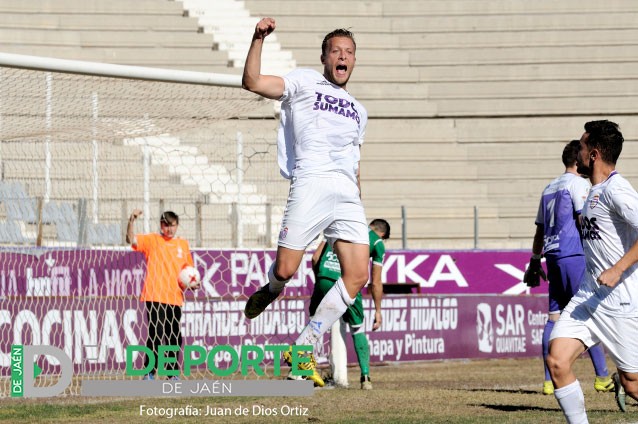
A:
(610, 229)
(321, 127)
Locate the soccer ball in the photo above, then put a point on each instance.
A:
(189, 278)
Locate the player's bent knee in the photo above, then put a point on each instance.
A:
(284, 274)
(631, 388)
(555, 365)
(632, 393)
(286, 263)
(356, 282)
(284, 271)
(559, 368)
(361, 282)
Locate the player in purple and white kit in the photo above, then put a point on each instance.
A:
(558, 237)
(605, 308)
(322, 128)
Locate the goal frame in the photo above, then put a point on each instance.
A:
(41, 63)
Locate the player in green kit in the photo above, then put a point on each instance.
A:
(327, 270)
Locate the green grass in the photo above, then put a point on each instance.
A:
(481, 391)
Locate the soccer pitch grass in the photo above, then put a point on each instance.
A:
(478, 391)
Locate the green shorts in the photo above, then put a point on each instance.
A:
(354, 314)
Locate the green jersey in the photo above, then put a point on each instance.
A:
(328, 264)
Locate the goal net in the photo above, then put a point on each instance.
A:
(81, 145)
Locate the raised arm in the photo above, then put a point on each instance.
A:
(130, 233)
(269, 86)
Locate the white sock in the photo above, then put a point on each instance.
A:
(330, 309)
(572, 402)
(276, 286)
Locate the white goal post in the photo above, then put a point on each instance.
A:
(213, 141)
(40, 63)
(81, 145)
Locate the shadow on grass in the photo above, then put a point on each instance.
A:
(512, 391)
(516, 408)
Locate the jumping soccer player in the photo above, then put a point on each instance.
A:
(321, 131)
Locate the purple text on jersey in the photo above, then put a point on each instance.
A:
(336, 105)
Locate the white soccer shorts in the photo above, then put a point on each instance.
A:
(619, 335)
(328, 203)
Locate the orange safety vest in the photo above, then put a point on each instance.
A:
(165, 258)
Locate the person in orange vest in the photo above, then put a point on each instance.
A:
(162, 295)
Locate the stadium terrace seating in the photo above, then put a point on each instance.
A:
(145, 33)
(470, 102)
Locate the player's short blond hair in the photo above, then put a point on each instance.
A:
(340, 32)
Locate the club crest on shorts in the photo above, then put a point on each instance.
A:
(594, 201)
(283, 233)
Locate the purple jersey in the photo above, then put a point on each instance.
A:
(560, 205)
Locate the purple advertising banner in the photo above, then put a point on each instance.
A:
(240, 272)
(95, 332)
(435, 272)
(471, 305)
(422, 327)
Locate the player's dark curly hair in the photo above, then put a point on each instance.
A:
(606, 137)
(570, 153)
(381, 225)
(341, 32)
(169, 217)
